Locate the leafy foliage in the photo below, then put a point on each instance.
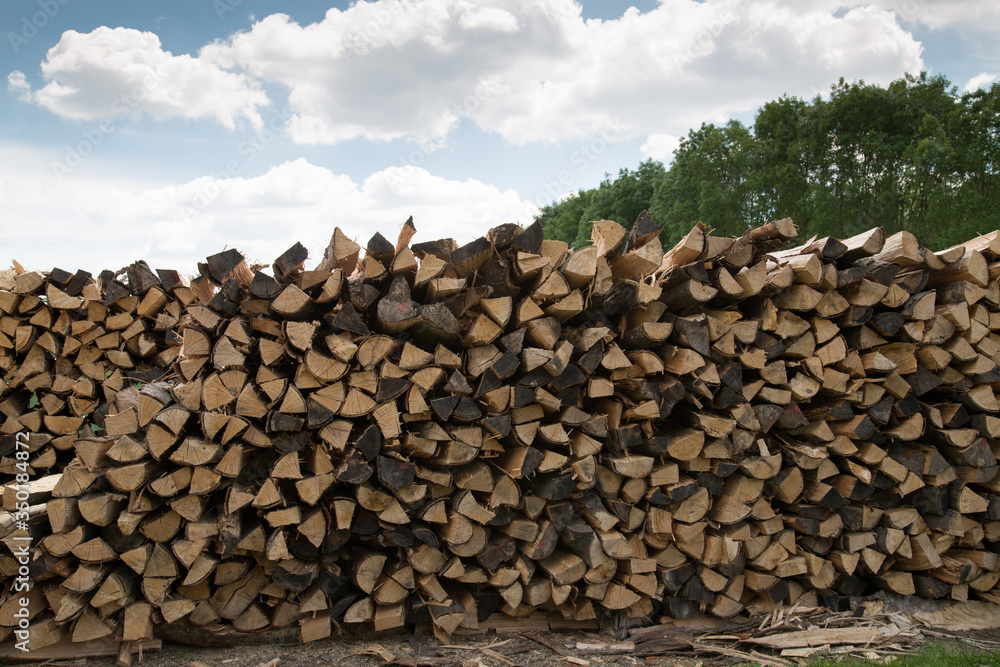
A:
(930, 655)
(621, 200)
(913, 155)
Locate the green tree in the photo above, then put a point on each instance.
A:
(912, 155)
(779, 176)
(973, 204)
(708, 182)
(562, 220)
(623, 199)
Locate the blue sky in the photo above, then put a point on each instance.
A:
(166, 131)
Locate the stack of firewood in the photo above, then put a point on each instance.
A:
(433, 433)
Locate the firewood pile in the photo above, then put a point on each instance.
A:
(787, 635)
(427, 433)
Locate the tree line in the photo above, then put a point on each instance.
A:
(913, 155)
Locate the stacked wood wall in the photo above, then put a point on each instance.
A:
(426, 432)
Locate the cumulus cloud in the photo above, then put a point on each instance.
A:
(944, 13)
(120, 71)
(96, 223)
(981, 80)
(528, 70)
(17, 84)
(487, 18)
(538, 72)
(660, 147)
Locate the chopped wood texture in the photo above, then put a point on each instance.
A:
(434, 434)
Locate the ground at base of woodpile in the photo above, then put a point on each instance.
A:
(376, 650)
(882, 629)
(931, 648)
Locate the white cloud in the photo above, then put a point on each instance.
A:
(537, 72)
(660, 147)
(487, 19)
(981, 80)
(17, 84)
(528, 70)
(96, 223)
(936, 14)
(124, 72)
